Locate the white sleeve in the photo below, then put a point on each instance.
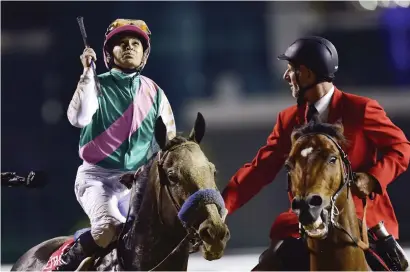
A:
(165, 111)
(84, 103)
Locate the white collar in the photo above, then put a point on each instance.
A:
(323, 103)
(117, 70)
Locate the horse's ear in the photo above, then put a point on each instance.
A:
(197, 133)
(295, 135)
(160, 133)
(339, 126)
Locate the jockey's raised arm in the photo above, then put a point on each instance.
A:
(117, 132)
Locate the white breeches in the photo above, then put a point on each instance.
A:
(104, 199)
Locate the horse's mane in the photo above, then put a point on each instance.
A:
(143, 177)
(316, 126)
(175, 141)
(139, 187)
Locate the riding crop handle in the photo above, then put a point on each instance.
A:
(80, 21)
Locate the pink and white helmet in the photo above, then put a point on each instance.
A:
(135, 27)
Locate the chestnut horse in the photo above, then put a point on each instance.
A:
(320, 177)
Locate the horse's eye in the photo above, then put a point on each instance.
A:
(172, 176)
(332, 159)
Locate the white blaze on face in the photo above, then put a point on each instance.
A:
(305, 152)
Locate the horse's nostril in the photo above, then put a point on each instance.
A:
(212, 234)
(205, 234)
(316, 200)
(296, 205)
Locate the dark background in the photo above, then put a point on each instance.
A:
(193, 45)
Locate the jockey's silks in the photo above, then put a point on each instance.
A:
(121, 132)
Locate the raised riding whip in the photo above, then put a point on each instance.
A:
(80, 21)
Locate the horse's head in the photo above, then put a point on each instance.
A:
(318, 171)
(187, 182)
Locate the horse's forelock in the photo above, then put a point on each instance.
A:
(177, 140)
(332, 130)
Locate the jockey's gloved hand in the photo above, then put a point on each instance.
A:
(364, 185)
(87, 56)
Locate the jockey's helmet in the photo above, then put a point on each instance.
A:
(136, 28)
(316, 53)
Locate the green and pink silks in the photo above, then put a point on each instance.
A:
(121, 132)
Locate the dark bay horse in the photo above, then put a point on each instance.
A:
(320, 176)
(180, 206)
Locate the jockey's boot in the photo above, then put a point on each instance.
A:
(82, 248)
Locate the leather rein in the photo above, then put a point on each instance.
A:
(348, 179)
(192, 234)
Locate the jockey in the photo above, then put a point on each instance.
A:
(312, 64)
(117, 132)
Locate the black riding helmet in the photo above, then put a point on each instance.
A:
(316, 53)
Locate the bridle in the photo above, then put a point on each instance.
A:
(192, 234)
(348, 178)
(165, 184)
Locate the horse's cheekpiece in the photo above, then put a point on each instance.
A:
(383, 253)
(200, 198)
(55, 258)
(320, 227)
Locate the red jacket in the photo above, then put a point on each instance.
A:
(368, 130)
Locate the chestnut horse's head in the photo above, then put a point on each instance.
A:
(318, 172)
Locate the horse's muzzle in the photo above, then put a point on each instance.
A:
(308, 208)
(214, 234)
(312, 214)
